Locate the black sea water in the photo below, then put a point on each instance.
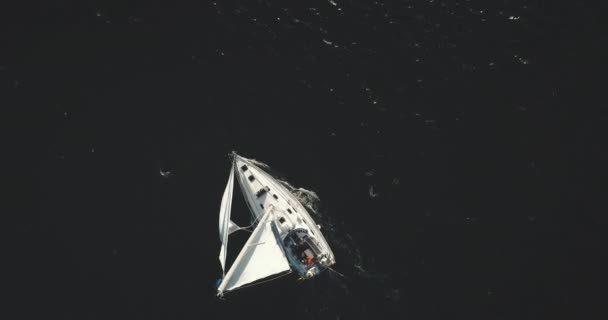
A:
(452, 145)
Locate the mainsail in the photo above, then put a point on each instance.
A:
(261, 257)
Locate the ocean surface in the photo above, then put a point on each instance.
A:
(456, 148)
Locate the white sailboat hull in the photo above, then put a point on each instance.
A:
(300, 239)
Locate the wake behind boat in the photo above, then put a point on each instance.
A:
(285, 239)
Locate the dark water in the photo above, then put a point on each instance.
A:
(456, 147)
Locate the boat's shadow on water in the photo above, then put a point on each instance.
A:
(355, 287)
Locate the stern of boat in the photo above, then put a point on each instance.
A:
(305, 253)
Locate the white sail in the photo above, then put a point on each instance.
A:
(225, 223)
(232, 227)
(261, 257)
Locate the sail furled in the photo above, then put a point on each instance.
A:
(261, 257)
(225, 224)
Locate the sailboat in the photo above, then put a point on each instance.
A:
(285, 239)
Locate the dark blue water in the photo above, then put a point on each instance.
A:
(456, 147)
